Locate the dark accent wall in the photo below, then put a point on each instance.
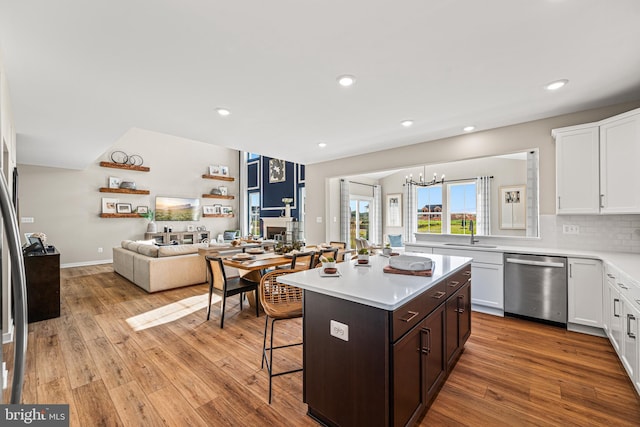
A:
(272, 193)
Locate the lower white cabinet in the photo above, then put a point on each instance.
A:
(622, 321)
(487, 279)
(629, 354)
(585, 292)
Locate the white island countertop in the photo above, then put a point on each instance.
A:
(370, 285)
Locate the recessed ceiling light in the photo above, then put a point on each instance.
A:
(556, 85)
(406, 123)
(346, 80)
(322, 144)
(468, 128)
(223, 112)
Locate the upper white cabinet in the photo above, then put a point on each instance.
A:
(619, 172)
(595, 166)
(577, 165)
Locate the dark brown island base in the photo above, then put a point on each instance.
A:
(377, 346)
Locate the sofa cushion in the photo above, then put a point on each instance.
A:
(174, 250)
(148, 250)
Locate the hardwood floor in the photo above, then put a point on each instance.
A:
(113, 364)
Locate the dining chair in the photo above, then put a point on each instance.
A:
(339, 245)
(346, 255)
(227, 286)
(329, 252)
(280, 302)
(303, 260)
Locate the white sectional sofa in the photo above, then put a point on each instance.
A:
(157, 268)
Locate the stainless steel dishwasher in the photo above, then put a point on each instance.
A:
(535, 286)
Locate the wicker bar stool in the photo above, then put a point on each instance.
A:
(280, 302)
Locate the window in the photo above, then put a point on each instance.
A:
(252, 156)
(461, 206)
(430, 209)
(359, 223)
(254, 214)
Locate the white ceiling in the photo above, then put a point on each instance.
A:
(81, 73)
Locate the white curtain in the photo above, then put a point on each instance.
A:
(410, 213)
(376, 232)
(483, 214)
(345, 212)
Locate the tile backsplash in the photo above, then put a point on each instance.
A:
(618, 233)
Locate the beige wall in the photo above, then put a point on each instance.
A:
(503, 140)
(65, 203)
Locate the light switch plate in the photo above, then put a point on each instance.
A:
(339, 330)
(570, 229)
(27, 220)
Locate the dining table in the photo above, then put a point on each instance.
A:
(253, 269)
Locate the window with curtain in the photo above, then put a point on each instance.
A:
(430, 209)
(254, 213)
(461, 206)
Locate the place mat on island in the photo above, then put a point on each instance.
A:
(424, 273)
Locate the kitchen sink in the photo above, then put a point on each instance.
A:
(469, 245)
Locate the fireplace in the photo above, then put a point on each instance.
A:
(274, 225)
(273, 231)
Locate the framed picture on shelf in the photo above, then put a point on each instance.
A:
(114, 182)
(226, 210)
(123, 208)
(513, 207)
(214, 170)
(218, 209)
(224, 170)
(142, 209)
(208, 210)
(223, 191)
(109, 205)
(277, 171)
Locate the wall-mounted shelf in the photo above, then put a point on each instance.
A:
(217, 215)
(126, 167)
(119, 215)
(218, 177)
(217, 196)
(122, 191)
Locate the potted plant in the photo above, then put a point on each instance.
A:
(363, 256)
(328, 264)
(387, 249)
(151, 226)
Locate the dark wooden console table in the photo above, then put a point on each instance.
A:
(43, 285)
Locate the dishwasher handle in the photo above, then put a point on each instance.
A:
(535, 263)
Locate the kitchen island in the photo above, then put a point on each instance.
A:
(378, 346)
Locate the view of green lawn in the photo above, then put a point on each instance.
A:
(458, 225)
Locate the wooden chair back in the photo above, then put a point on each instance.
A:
(280, 301)
(216, 271)
(339, 245)
(303, 260)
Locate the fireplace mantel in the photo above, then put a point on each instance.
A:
(274, 222)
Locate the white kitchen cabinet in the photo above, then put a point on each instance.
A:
(615, 318)
(610, 275)
(416, 248)
(487, 279)
(585, 292)
(619, 172)
(577, 164)
(630, 356)
(596, 166)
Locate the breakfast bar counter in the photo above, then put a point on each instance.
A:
(378, 346)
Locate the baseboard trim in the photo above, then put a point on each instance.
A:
(7, 337)
(591, 330)
(86, 263)
(487, 310)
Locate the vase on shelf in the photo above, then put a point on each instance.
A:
(151, 227)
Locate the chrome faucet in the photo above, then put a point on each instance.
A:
(473, 241)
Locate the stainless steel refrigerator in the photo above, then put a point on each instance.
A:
(19, 295)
